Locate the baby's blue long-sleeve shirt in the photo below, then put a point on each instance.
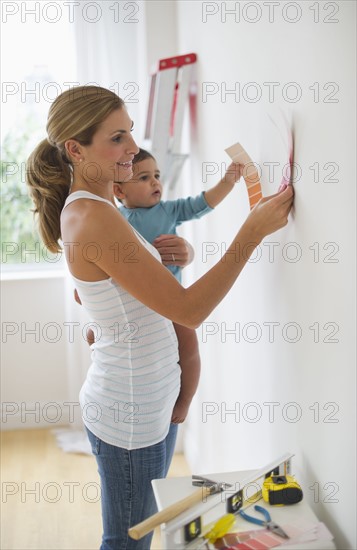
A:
(164, 217)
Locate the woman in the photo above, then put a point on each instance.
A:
(134, 380)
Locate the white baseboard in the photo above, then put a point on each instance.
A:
(29, 416)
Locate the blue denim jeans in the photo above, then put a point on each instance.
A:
(127, 497)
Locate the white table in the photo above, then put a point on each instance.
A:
(170, 490)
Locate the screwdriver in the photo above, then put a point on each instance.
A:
(219, 529)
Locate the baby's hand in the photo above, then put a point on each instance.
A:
(233, 173)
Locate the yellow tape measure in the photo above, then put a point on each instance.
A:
(279, 490)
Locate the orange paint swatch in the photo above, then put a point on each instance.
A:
(250, 173)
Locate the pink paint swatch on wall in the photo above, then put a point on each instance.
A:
(250, 172)
(287, 175)
(288, 139)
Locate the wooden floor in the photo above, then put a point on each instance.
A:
(50, 499)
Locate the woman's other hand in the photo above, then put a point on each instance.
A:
(174, 250)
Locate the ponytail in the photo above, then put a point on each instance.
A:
(49, 176)
(75, 114)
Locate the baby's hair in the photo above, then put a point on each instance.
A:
(142, 155)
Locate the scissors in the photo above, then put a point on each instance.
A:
(267, 522)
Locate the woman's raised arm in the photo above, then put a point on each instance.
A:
(107, 246)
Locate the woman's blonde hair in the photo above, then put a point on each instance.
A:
(75, 114)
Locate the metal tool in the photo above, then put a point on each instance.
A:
(200, 481)
(267, 522)
(207, 487)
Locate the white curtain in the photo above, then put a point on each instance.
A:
(110, 52)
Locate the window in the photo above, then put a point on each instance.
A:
(32, 77)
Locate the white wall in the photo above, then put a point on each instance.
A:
(45, 356)
(308, 384)
(33, 359)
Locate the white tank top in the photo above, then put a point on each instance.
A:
(134, 379)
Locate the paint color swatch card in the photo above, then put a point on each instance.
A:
(250, 172)
(300, 532)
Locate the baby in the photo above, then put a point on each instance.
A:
(153, 218)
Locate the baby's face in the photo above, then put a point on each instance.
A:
(144, 189)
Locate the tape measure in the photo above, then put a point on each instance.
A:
(280, 490)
